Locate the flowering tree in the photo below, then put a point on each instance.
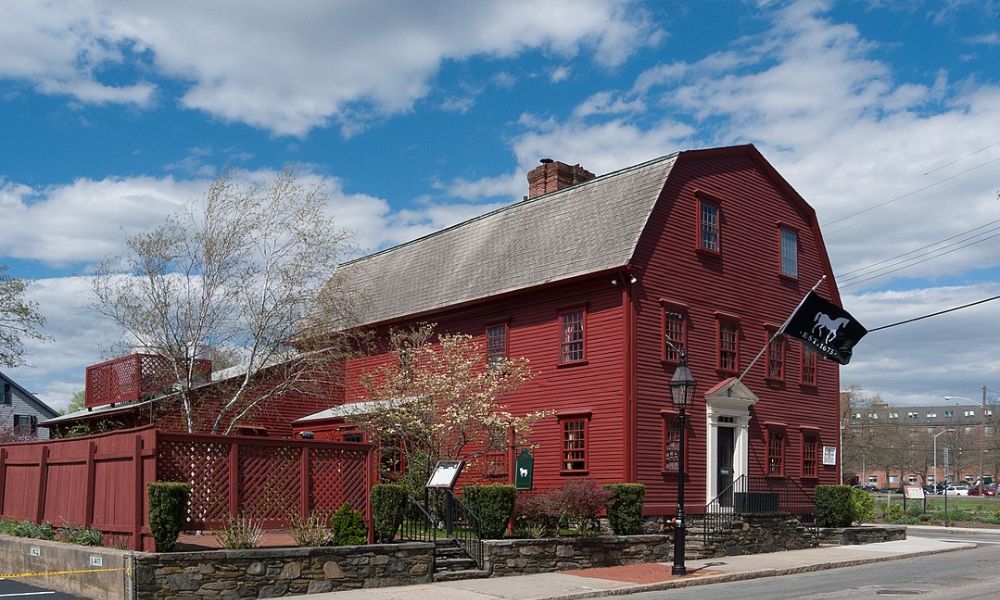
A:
(443, 402)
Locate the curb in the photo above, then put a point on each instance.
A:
(743, 576)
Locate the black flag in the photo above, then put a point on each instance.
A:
(829, 329)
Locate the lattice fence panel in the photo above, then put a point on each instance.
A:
(269, 481)
(338, 476)
(204, 465)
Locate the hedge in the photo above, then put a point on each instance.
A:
(493, 504)
(348, 527)
(388, 509)
(625, 507)
(167, 509)
(834, 506)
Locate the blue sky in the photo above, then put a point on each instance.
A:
(885, 116)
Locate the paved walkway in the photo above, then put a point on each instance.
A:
(589, 583)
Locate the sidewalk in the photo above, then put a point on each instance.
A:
(627, 579)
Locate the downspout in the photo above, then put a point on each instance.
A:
(630, 413)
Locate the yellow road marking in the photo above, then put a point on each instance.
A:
(73, 572)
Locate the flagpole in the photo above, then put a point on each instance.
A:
(780, 330)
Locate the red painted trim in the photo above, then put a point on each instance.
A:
(769, 331)
(628, 465)
(720, 320)
(702, 199)
(781, 256)
(668, 306)
(582, 309)
(668, 417)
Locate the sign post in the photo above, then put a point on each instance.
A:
(444, 477)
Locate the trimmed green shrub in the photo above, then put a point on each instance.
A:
(348, 527)
(167, 509)
(834, 507)
(493, 504)
(862, 506)
(388, 508)
(625, 507)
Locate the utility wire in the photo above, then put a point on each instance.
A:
(856, 281)
(843, 276)
(940, 312)
(934, 170)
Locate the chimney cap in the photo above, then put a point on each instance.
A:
(546, 161)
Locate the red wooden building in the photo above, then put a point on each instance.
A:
(587, 278)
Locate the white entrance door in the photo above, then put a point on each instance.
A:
(728, 438)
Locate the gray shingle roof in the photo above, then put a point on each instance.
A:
(588, 228)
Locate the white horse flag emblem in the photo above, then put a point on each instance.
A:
(829, 329)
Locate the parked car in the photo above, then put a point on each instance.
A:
(989, 489)
(957, 490)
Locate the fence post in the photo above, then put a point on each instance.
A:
(3, 477)
(43, 479)
(88, 516)
(140, 496)
(305, 482)
(234, 479)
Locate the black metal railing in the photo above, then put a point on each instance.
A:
(466, 528)
(755, 495)
(418, 523)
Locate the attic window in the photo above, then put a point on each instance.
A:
(573, 331)
(789, 252)
(708, 226)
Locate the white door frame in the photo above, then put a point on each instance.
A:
(727, 405)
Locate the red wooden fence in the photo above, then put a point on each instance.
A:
(100, 481)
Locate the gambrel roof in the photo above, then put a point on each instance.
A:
(587, 228)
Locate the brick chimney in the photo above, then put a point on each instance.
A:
(554, 175)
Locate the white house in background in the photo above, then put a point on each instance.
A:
(20, 411)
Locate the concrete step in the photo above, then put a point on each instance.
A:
(459, 575)
(453, 564)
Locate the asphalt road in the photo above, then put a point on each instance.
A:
(15, 590)
(966, 575)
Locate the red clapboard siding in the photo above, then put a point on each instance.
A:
(534, 333)
(745, 282)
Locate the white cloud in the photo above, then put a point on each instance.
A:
(289, 71)
(919, 363)
(560, 74)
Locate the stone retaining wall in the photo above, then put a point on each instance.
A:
(268, 573)
(852, 536)
(518, 557)
(759, 534)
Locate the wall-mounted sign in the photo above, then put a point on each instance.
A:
(524, 467)
(445, 474)
(830, 455)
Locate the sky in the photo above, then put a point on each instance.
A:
(884, 115)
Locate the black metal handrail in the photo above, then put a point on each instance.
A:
(754, 495)
(466, 528)
(418, 524)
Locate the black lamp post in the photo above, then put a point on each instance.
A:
(682, 386)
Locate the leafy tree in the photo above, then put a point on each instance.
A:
(77, 403)
(250, 269)
(442, 401)
(19, 320)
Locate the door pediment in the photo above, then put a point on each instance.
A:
(730, 396)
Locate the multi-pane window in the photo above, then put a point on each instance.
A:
(708, 226)
(393, 460)
(810, 448)
(572, 336)
(809, 360)
(574, 453)
(672, 445)
(728, 346)
(496, 344)
(775, 356)
(673, 335)
(775, 452)
(789, 252)
(26, 425)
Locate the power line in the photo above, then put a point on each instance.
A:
(856, 281)
(940, 312)
(901, 196)
(843, 276)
